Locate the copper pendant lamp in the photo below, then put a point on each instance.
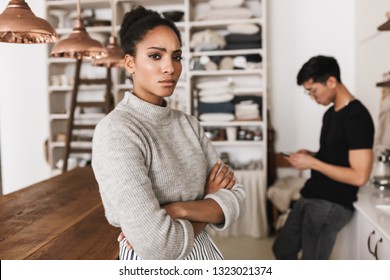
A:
(79, 44)
(18, 24)
(113, 54)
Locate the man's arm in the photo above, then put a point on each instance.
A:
(357, 174)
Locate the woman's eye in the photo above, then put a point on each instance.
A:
(154, 56)
(178, 57)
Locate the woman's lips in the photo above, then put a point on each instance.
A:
(167, 83)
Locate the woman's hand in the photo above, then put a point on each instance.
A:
(216, 180)
(224, 179)
(127, 243)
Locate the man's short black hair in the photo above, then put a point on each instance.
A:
(319, 68)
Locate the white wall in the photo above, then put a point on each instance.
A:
(373, 51)
(23, 111)
(298, 30)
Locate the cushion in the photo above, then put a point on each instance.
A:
(285, 190)
(214, 91)
(217, 98)
(222, 107)
(243, 28)
(216, 117)
(224, 13)
(213, 84)
(243, 38)
(239, 46)
(225, 3)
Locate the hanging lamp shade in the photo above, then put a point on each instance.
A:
(78, 45)
(113, 55)
(18, 24)
(386, 25)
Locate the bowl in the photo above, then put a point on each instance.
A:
(173, 15)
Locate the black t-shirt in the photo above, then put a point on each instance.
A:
(350, 128)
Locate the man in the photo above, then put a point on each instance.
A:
(342, 165)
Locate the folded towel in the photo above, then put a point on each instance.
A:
(214, 91)
(247, 112)
(224, 13)
(244, 91)
(225, 3)
(243, 38)
(238, 46)
(217, 98)
(243, 28)
(214, 84)
(223, 117)
(222, 107)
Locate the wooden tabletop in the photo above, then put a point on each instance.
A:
(60, 218)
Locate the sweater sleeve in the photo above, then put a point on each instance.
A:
(232, 202)
(119, 164)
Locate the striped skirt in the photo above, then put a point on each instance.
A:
(204, 249)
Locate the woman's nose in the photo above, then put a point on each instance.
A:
(168, 66)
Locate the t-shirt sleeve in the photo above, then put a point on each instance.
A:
(360, 129)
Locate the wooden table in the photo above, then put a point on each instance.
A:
(60, 218)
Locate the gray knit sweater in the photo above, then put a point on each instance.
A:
(145, 156)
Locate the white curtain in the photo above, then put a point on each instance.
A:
(254, 221)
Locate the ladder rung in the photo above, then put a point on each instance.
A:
(92, 81)
(84, 126)
(90, 103)
(83, 139)
(80, 150)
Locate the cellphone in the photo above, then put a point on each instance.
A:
(285, 154)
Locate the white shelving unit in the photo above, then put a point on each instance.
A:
(185, 98)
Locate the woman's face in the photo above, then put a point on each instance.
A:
(156, 68)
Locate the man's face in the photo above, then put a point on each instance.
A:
(322, 93)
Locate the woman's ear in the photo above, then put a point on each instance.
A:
(129, 64)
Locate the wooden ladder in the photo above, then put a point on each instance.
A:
(107, 105)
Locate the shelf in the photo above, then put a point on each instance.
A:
(383, 84)
(246, 81)
(233, 123)
(124, 86)
(90, 29)
(241, 143)
(81, 88)
(227, 52)
(80, 116)
(74, 144)
(226, 72)
(71, 4)
(223, 23)
(60, 60)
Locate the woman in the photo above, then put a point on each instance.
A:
(160, 179)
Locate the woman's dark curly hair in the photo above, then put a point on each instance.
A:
(137, 23)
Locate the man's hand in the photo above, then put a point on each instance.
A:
(301, 161)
